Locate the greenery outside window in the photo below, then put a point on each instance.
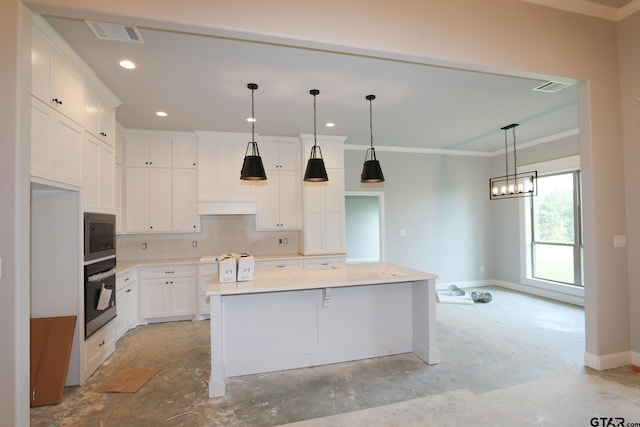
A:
(556, 229)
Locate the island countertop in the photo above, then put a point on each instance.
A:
(272, 280)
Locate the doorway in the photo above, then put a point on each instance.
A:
(364, 226)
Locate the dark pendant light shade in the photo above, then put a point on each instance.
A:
(371, 170)
(315, 172)
(252, 167)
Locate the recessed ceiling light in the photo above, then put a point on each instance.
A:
(125, 63)
(330, 125)
(161, 114)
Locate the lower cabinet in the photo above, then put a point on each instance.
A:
(167, 291)
(98, 348)
(127, 303)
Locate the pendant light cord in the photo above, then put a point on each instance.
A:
(515, 157)
(314, 120)
(253, 119)
(506, 156)
(371, 120)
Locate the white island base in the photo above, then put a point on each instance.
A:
(295, 319)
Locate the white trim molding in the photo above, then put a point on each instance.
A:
(550, 293)
(607, 361)
(591, 8)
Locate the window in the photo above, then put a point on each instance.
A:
(556, 229)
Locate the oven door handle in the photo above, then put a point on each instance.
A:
(101, 276)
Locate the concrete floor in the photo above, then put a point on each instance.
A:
(514, 361)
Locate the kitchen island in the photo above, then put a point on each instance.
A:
(293, 319)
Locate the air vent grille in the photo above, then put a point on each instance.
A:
(551, 87)
(115, 32)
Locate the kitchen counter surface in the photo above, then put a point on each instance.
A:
(124, 266)
(272, 280)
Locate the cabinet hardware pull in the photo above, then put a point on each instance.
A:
(128, 290)
(101, 344)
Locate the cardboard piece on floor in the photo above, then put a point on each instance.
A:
(51, 339)
(128, 380)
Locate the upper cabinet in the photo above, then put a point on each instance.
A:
(55, 81)
(99, 114)
(279, 197)
(147, 151)
(323, 210)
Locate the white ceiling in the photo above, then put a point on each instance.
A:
(201, 82)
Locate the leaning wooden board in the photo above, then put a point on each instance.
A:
(51, 340)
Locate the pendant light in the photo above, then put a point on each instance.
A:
(252, 168)
(371, 170)
(518, 184)
(316, 171)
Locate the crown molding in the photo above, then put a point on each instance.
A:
(591, 9)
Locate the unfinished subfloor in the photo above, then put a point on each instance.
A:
(517, 360)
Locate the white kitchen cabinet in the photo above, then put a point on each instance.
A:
(55, 81)
(314, 263)
(98, 348)
(56, 145)
(184, 151)
(127, 303)
(98, 175)
(280, 264)
(206, 273)
(151, 151)
(220, 189)
(279, 197)
(148, 199)
(99, 114)
(167, 291)
(184, 212)
(118, 182)
(323, 211)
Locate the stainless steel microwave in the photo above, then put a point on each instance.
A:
(99, 235)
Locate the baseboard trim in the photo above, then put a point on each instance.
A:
(545, 293)
(464, 285)
(609, 361)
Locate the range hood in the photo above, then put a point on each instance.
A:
(226, 207)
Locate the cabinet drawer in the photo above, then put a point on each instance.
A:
(176, 270)
(322, 263)
(280, 264)
(99, 346)
(125, 279)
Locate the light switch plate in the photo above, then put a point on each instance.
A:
(620, 241)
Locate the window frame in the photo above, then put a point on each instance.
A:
(547, 287)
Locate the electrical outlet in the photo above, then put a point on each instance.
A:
(286, 241)
(279, 241)
(194, 244)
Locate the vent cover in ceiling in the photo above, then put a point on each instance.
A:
(115, 32)
(551, 87)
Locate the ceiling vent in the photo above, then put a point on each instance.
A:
(551, 87)
(115, 32)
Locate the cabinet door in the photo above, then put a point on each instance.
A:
(289, 156)
(92, 110)
(184, 153)
(159, 151)
(334, 211)
(268, 204)
(160, 202)
(107, 178)
(183, 296)
(40, 69)
(290, 194)
(41, 125)
(185, 216)
(66, 151)
(132, 308)
(91, 173)
(137, 199)
(118, 199)
(154, 298)
(67, 86)
(122, 308)
(107, 123)
(136, 151)
(314, 217)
